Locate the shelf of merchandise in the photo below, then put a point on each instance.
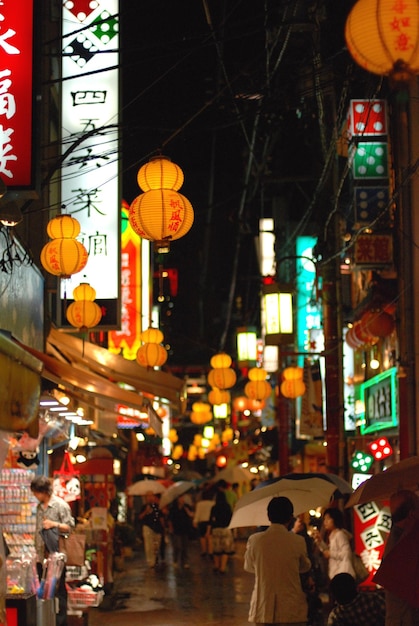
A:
(17, 510)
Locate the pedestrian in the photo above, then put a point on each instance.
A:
(353, 607)
(277, 558)
(310, 580)
(152, 521)
(201, 521)
(180, 526)
(52, 512)
(222, 536)
(399, 569)
(336, 548)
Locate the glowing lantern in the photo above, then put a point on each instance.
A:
(258, 389)
(177, 452)
(201, 413)
(160, 173)
(222, 378)
(227, 435)
(220, 360)
(362, 335)
(378, 323)
(219, 396)
(63, 227)
(173, 436)
(221, 461)
(151, 355)
(152, 335)
(84, 313)
(255, 405)
(64, 257)
(257, 373)
(240, 403)
(292, 388)
(293, 373)
(382, 37)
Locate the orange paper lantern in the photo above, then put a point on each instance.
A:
(257, 373)
(258, 389)
(222, 359)
(161, 215)
(219, 396)
(382, 36)
(292, 388)
(152, 335)
(151, 355)
(222, 378)
(84, 314)
(293, 373)
(64, 257)
(160, 173)
(63, 227)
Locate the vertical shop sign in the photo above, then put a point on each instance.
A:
(372, 526)
(127, 340)
(90, 144)
(16, 67)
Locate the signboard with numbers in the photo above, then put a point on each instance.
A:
(90, 145)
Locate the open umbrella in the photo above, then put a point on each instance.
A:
(402, 475)
(142, 487)
(174, 491)
(342, 486)
(305, 494)
(233, 474)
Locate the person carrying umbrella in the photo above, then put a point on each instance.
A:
(277, 558)
(180, 524)
(399, 569)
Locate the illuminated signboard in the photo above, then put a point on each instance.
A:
(379, 399)
(90, 145)
(16, 91)
(134, 273)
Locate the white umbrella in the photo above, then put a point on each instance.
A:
(142, 487)
(305, 494)
(174, 491)
(233, 474)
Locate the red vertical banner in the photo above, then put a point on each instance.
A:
(16, 66)
(372, 525)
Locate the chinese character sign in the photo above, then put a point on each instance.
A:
(16, 44)
(90, 113)
(372, 526)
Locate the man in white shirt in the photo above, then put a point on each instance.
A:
(277, 557)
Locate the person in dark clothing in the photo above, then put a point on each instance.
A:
(363, 608)
(152, 520)
(222, 536)
(180, 526)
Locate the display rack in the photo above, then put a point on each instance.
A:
(17, 509)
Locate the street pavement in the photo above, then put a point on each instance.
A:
(170, 596)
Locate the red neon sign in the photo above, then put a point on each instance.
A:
(16, 54)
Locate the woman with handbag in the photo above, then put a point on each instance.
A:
(52, 512)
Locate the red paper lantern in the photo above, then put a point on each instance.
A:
(378, 323)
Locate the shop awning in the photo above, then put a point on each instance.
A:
(20, 385)
(89, 357)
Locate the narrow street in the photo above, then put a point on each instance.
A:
(169, 596)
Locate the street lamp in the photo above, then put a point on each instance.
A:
(246, 346)
(278, 315)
